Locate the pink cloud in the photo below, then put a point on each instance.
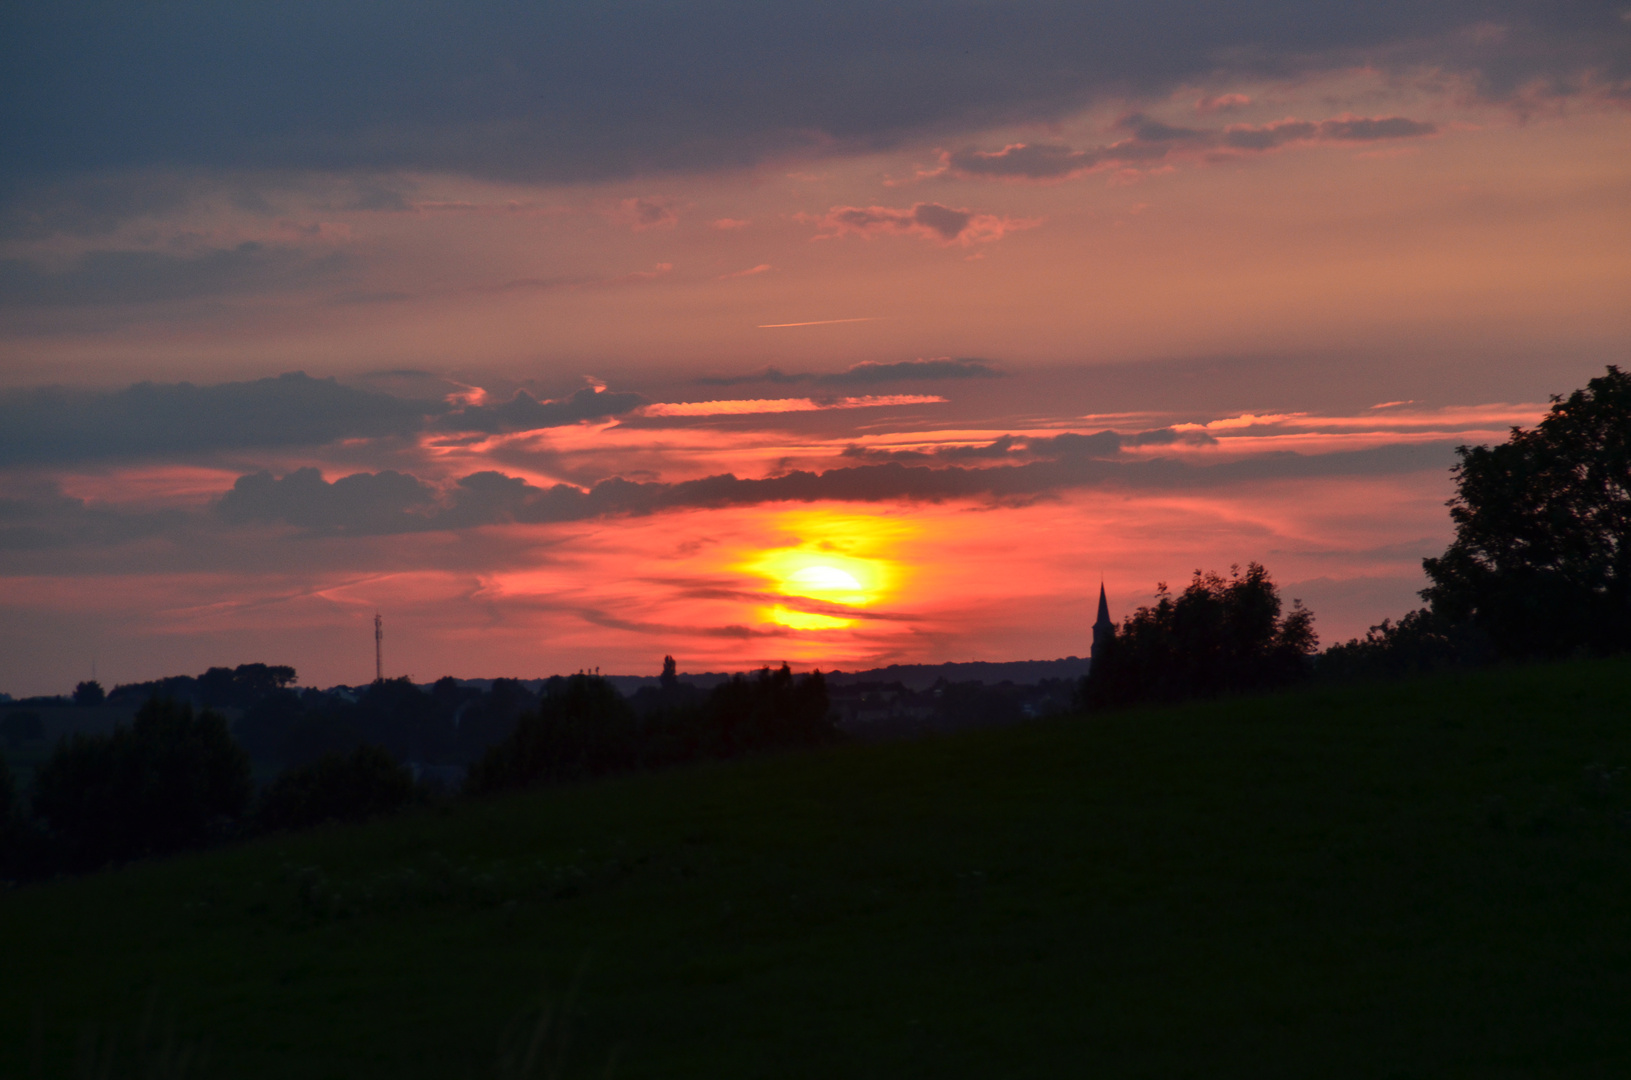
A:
(933, 221)
(731, 223)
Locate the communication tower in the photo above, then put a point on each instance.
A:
(379, 655)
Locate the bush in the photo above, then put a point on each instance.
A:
(1418, 643)
(1219, 635)
(363, 784)
(172, 780)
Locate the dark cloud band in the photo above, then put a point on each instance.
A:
(586, 90)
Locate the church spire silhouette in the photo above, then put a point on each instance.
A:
(1103, 628)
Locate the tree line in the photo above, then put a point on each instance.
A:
(177, 778)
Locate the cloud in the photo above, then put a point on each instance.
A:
(1153, 141)
(643, 214)
(869, 371)
(363, 502)
(390, 503)
(135, 277)
(933, 221)
(1342, 129)
(56, 424)
(553, 93)
(172, 420)
(730, 223)
(524, 412)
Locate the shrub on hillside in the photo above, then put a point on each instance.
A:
(172, 780)
(1420, 642)
(365, 783)
(1219, 635)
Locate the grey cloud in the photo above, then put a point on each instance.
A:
(363, 502)
(393, 503)
(46, 520)
(768, 375)
(1153, 141)
(578, 91)
(1348, 129)
(1147, 130)
(944, 220)
(58, 424)
(165, 420)
(525, 412)
(1103, 445)
(89, 205)
(136, 277)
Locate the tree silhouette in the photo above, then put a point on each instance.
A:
(1219, 635)
(89, 693)
(1542, 554)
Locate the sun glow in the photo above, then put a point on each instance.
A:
(838, 561)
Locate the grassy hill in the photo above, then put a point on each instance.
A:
(1426, 879)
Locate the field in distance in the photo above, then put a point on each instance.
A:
(1424, 878)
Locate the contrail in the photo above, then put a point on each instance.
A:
(817, 322)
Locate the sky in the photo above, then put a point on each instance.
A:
(570, 336)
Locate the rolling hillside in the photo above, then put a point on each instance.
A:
(1415, 879)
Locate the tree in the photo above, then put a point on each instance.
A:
(1541, 560)
(171, 780)
(1219, 635)
(89, 693)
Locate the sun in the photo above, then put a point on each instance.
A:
(840, 562)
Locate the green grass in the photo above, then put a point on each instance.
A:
(1422, 879)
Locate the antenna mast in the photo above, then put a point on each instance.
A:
(379, 656)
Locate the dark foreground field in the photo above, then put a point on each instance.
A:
(1423, 879)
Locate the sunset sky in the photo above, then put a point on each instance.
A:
(844, 334)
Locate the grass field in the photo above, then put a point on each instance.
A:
(1421, 879)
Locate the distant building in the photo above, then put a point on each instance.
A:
(1103, 628)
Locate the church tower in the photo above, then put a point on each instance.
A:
(1103, 628)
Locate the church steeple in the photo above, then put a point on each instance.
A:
(1103, 628)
